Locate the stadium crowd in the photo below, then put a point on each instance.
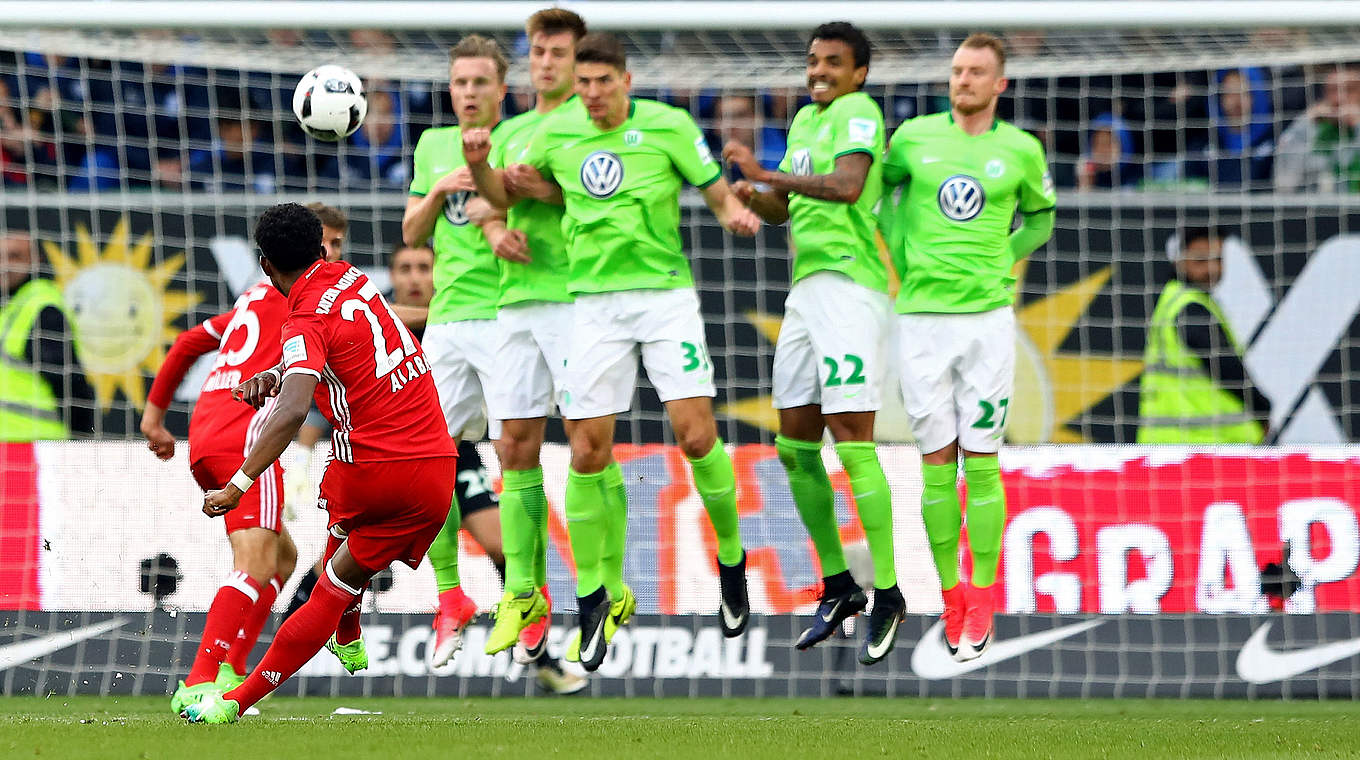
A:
(83, 124)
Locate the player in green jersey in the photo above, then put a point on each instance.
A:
(828, 362)
(617, 163)
(534, 318)
(461, 338)
(964, 174)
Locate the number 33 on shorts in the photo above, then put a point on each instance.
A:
(696, 357)
(993, 416)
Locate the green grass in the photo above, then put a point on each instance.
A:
(712, 729)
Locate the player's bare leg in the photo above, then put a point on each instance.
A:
(696, 432)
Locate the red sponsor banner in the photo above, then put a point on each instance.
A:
(1156, 534)
(19, 510)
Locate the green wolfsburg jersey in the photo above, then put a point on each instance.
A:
(950, 230)
(544, 278)
(829, 235)
(466, 280)
(622, 192)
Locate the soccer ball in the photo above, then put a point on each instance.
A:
(329, 102)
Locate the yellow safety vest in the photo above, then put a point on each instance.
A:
(29, 410)
(1179, 401)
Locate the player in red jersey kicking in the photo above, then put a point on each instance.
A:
(221, 431)
(389, 483)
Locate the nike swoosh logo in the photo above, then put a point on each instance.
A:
(589, 653)
(929, 160)
(1258, 663)
(33, 649)
(885, 643)
(931, 659)
(729, 620)
(831, 613)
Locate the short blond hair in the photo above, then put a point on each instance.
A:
(991, 42)
(329, 215)
(477, 46)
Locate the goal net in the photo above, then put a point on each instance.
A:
(135, 156)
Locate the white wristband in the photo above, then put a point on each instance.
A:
(242, 481)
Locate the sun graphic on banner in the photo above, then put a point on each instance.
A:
(122, 307)
(1053, 388)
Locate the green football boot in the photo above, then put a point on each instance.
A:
(353, 656)
(512, 615)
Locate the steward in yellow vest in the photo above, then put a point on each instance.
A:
(43, 392)
(1194, 387)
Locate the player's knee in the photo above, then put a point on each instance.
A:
(697, 441)
(590, 454)
(286, 557)
(517, 453)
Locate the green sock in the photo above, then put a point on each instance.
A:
(586, 527)
(940, 512)
(716, 482)
(815, 500)
(443, 553)
(522, 506)
(616, 530)
(986, 516)
(874, 502)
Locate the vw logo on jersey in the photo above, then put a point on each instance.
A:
(455, 207)
(601, 173)
(801, 162)
(961, 198)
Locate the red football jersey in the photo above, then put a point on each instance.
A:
(375, 385)
(247, 340)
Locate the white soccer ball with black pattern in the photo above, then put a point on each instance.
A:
(329, 102)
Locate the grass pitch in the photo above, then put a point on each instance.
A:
(712, 729)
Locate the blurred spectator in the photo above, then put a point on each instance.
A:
(735, 118)
(1242, 131)
(1110, 158)
(376, 153)
(334, 225)
(412, 273)
(12, 142)
(1194, 387)
(43, 391)
(1321, 149)
(235, 163)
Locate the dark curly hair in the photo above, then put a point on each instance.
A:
(849, 34)
(289, 236)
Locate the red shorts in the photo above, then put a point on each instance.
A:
(260, 507)
(390, 511)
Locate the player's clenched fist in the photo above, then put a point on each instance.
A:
(525, 181)
(259, 388)
(476, 144)
(456, 181)
(743, 222)
(512, 245)
(219, 502)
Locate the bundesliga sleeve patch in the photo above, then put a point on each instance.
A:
(862, 131)
(701, 147)
(294, 351)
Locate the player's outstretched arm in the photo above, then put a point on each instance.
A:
(490, 183)
(508, 244)
(258, 389)
(843, 185)
(732, 215)
(769, 205)
(525, 181)
(191, 344)
(295, 399)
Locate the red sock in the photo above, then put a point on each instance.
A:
(225, 617)
(348, 630)
(250, 632)
(299, 638)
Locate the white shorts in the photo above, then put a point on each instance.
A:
(958, 371)
(608, 331)
(461, 357)
(831, 345)
(532, 359)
